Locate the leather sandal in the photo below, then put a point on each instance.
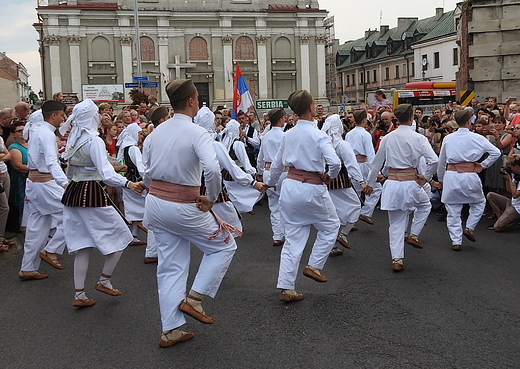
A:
(44, 255)
(35, 275)
(108, 291)
(166, 342)
(82, 302)
(186, 308)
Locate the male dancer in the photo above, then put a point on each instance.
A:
(45, 187)
(270, 145)
(458, 173)
(175, 156)
(361, 142)
(304, 199)
(400, 151)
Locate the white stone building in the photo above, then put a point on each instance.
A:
(280, 45)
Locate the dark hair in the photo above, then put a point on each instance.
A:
(15, 124)
(240, 113)
(499, 119)
(420, 109)
(379, 92)
(181, 104)
(51, 106)
(425, 119)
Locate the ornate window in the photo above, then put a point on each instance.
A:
(244, 49)
(147, 49)
(198, 49)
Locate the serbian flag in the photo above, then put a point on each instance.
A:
(242, 99)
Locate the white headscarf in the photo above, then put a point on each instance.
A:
(129, 137)
(35, 120)
(84, 121)
(334, 128)
(231, 133)
(206, 119)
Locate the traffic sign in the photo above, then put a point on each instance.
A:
(131, 85)
(150, 84)
(271, 104)
(140, 79)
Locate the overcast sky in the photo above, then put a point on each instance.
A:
(18, 37)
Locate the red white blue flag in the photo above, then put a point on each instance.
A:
(242, 99)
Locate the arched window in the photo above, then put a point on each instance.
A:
(100, 49)
(147, 49)
(282, 48)
(198, 49)
(244, 49)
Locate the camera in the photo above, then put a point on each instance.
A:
(440, 130)
(505, 171)
(381, 125)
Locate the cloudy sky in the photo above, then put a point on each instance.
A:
(18, 38)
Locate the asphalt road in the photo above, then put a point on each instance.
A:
(445, 310)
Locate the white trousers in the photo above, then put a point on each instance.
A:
(303, 205)
(454, 220)
(347, 204)
(37, 234)
(151, 245)
(399, 220)
(175, 226)
(273, 196)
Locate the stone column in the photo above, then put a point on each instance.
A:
(55, 62)
(75, 65)
(163, 66)
(261, 42)
(320, 65)
(227, 43)
(304, 63)
(126, 59)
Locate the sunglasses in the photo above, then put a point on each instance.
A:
(18, 131)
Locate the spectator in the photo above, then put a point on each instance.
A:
(18, 172)
(381, 100)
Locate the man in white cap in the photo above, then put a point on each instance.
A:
(304, 199)
(45, 187)
(458, 173)
(175, 157)
(400, 152)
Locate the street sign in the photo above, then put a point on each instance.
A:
(150, 84)
(140, 79)
(342, 108)
(103, 93)
(131, 85)
(271, 104)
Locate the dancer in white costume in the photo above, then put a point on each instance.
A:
(343, 195)
(361, 142)
(134, 204)
(458, 172)
(401, 151)
(175, 156)
(304, 199)
(223, 207)
(45, 187)
(270, 144)
(244, 198)
(89, 221)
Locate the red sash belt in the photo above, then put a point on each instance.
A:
(37, 176)
(465, 167)
(304, 176)
(174, 192)
(407, 174)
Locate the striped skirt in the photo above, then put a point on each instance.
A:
(341, 181)
(85, 194)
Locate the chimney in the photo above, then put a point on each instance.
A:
(404, 23)
(439, 12)
(370, 32)
(383, 29)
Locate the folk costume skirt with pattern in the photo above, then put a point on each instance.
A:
(90, 221)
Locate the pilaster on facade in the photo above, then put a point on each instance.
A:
(75, 64)
(321, 40)
(227, 45)
(305, 63)
(163, 66)
(126, 60)
(53, 43)
(261, 44)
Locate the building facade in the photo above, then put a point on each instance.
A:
(489, 37)
(280, 46)
(14, 82)
(387, 59)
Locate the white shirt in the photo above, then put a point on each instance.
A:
(96, 149)
(465, 146)
(401, 149)
(42, 153)
(225, 161)
(347, 156)
(306, 148)
(179, 151)
(270, 145)
(361, 142)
